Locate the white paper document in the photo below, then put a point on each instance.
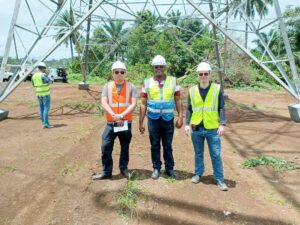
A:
(122, 128)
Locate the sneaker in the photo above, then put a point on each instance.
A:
(171, 174)
(48, 126)
(155, 174)
(222, 186)
(196, 179)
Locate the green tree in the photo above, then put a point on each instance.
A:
(143, 38)
(66, 19)
(110, 36)
(186, 28)
(292, 16)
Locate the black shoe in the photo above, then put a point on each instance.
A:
(101, 176)
(155, 174)
(125, 173)
(171, 174)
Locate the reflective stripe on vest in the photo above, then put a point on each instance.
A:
(205, 110)
(119, 102)
(160, 100)
(41, 89)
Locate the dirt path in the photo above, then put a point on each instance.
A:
(45, 174)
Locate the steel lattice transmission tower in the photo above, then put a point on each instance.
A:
(33, 27)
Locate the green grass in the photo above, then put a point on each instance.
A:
(129, 197)
(69, 170)
(76, 78)
(7, 169)
(278, 165)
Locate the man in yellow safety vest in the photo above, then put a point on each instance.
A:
(205, 119)
(41, 81)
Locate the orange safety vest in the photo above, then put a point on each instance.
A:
(119, 102)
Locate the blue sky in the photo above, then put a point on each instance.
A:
(62, 52)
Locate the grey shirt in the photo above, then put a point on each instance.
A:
(119, 88)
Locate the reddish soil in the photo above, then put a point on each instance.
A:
(46, 173)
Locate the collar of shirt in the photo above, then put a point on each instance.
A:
(200, 88)
(160, 82)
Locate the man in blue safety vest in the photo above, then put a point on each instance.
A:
(160, 95)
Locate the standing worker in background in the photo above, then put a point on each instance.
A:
(159, 96)
(118, 100)
(205, 119)
(41, 81)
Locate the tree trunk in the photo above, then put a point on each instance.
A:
(72, 50)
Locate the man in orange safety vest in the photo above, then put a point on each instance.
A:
(118, 100)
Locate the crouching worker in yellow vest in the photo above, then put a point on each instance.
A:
(205, 119)
(41, 81)
(118, 100)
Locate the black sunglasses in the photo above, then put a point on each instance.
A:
(121, 72)
(159, 67)
(203, 74)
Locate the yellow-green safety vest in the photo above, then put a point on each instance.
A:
(160, 101)
(41, 89)
(206, 111)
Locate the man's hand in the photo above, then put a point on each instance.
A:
(120, 123)
(142, 127)
(117, 117)
(179, 122)
(221, 130)
(187, 130)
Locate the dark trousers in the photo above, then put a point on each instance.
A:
(161, 131)
(108, 139)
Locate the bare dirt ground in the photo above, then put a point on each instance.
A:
(45, 174)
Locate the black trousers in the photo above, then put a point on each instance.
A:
(108, 139)
(161, 131)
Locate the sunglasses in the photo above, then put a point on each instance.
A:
(159, 67)
(121, 72)
(203, 74)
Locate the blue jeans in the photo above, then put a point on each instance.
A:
(108, 139)
(44, 102)
(161, 130)
(214, 146)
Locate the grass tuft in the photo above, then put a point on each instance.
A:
(278, 165)
(128, 198)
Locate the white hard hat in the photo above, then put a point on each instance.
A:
(118, 65)
(159, 61)
(42, 64)
(203, 66)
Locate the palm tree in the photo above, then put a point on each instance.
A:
(250, 7)
(110, 34)
(146, 20)
(66, 19)
(174, 17)
(275, 43)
